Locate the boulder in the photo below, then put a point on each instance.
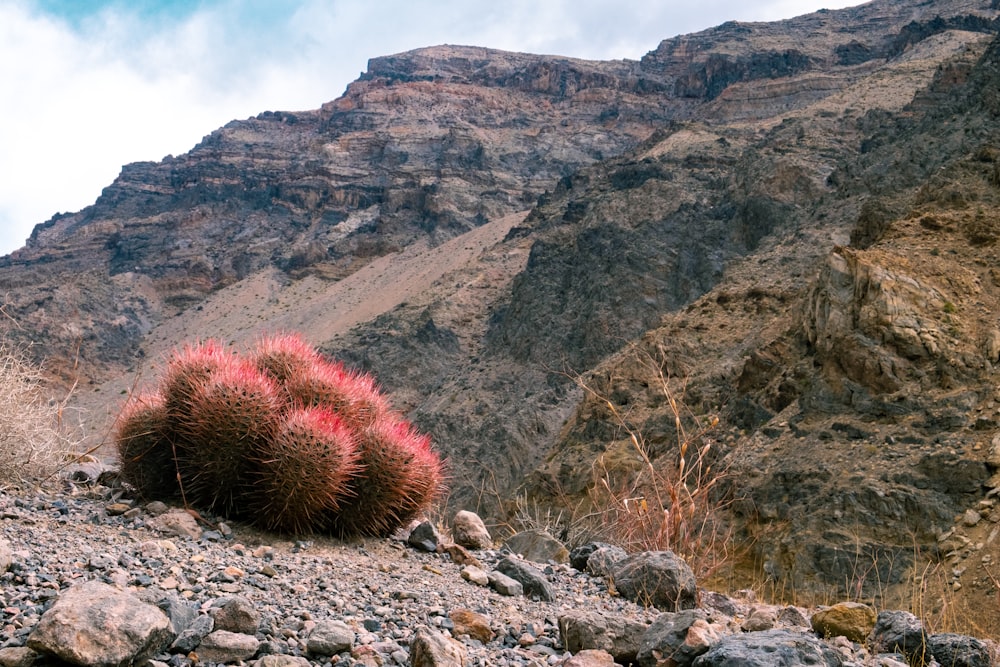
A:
(191, 636)
(468, 622)
(237, 614)
(581, 630)
(953, 650)
(603, 559)
(95, 624)
(772, 648)
(667, 639)
(469, 531)
(538, 546)
(432, 649)
(330, 638)
(898, 632)
(656, 578)
(223, 646)
(846, 619)
(532, 580)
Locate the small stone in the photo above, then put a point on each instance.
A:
(432, 649)
(222, 646)
(238, 614)
(504, 585)
(156, 508)
(476, 575)
(191, 636)
(424, 537)
(176, 523)
(330, 638)
(461, 556)
(589, 658)
(6, 556)
(468, 530)
(971, 518)
(117, 509)
(268, 571)
(468, 622)
(282, 661)
(759, 620)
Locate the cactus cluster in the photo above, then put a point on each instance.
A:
(281, 437)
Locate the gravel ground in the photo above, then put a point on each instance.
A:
(380, 587)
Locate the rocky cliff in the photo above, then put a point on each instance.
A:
(795, 221)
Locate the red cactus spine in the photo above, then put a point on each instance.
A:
(304, 471)
(400, 476)
(284, 357)
(144, 449)
(232, 416)
(352, 395)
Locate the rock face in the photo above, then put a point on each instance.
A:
(478, 227)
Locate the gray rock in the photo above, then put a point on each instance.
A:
(538, 546)
(620, 637)
(656, 578)
(772, 648)
(431, 649)
(898, 631)
(579, 555)
(180, 613)
(95, 624)
(759, 620)
(666, 639)
(237, 614)
(223, 646)
(192, 635)
(330, 638)
(534, 582)
(721, 603)
(603, 559)
(792, 616)
(469, 531)
(504, 585)
(953, 650)
(424, 537)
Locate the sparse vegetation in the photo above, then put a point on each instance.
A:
(31, 444)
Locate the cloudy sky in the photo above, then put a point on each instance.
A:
(90, 85)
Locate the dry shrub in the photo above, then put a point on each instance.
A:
(676, 501)
(31, 445)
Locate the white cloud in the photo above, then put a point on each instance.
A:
(81, 101)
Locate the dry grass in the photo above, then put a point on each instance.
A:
(31, 443)
(676, 501)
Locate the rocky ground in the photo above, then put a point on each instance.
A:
(85, 569)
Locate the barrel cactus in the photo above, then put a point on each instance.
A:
(282, 436)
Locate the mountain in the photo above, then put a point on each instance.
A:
(793, 223)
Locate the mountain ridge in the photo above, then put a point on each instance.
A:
(692, 204)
